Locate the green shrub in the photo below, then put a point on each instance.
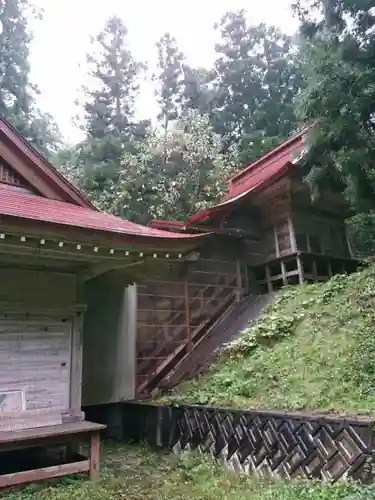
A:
(363, 493)
(312, 349)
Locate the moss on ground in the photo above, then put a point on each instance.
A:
(313, 349)
(136, 473)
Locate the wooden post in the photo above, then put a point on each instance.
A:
(76, 364)
(300, 270)
(292, 235)
(269, 283)
(95, 457)
(329, 268)
(187, 314)
(315, 271)
(276, 242)
(239, 280)
(283, 272)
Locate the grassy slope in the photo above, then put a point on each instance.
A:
(313, 349)
(135, 473)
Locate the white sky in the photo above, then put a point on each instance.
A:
(62, 40)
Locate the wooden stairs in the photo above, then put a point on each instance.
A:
(205, 352)
(224, 315)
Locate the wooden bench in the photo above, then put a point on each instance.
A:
(63, 434)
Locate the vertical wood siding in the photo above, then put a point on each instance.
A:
(35, 359)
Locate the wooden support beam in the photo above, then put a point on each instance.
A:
(239, 280)
(76, 363)
(284, 274)
(42, 474)
(187, 314)
(94, 457)
(269, 283)
(276, 242)
(104, 267)
(330, 274)
(300, 270)
(292, 235)
(314, 270)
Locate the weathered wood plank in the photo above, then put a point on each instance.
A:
(76, 364)
(30, 476)
(35, 360)
(83, 427)
(94, 456)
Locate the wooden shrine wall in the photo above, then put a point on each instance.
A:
(39, 349)
(320, 234)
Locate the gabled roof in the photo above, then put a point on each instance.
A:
(267, 166)
(257, 176)
(58, 203)
(35, 168)
(26, 206)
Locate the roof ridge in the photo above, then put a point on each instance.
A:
(270, 153)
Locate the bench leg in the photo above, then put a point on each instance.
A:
(94, 456)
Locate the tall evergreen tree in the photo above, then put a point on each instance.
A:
(17, 93)
(109, 109)
(168, 79)
(257, 81)
(339, 49)
(110, 104)
(197, 90)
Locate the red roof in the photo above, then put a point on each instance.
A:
(256, 176)
(40, 166)
(167, 225)
(267, 166)
(22, 205)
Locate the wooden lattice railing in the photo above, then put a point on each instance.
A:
(169, 331)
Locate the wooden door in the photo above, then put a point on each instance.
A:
(35, 358)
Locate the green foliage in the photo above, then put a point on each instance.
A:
(109, 105)
(366, 493)
(17, 93)
(171, 175)
(361, 233)
(138, 473)
(313, 349)
(170, 61)
(257, 78)
(337, 50)
(212, 120)
(94, 165)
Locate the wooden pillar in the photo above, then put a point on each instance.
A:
(300, 270)
(276, 242)
(283, 272)
(76, 364)
(315, 271)
(292, 235)
(269, 283)
(239, 280)
(95, 457)
(187, 314)
(329, 268)
(128, 341)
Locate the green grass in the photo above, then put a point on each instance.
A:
(314, 349)
(137, 473)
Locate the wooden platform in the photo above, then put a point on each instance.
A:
(64, 434)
